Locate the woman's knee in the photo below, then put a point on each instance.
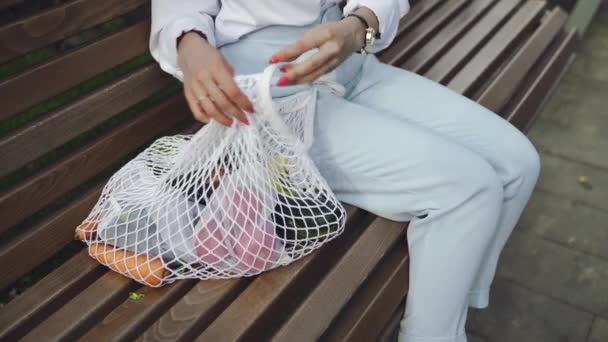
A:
(523, 164)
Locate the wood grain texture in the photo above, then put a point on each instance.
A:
(41, 190)
(42, 29)
(421, 33)
(499, 91)
(369, 311)
(469, 44)
(327, 299)
(527, 107)
(46, 296)
(482, 64)
(20, 255)
(390, 331)
(72, 68)
(84, 310)
(129, 319)
(194, 311)
(52, 131)
(451, 33)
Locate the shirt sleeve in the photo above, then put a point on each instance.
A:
(169, 19)
(389, 12)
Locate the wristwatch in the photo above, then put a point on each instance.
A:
(370, 33)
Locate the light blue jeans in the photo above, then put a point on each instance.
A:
(409, 149)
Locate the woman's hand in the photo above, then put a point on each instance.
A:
(336, 41)
(209, 87)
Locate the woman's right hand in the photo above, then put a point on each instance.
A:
(209, 86)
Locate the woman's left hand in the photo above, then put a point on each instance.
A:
(336, 41)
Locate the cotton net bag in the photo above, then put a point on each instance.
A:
(225, 202)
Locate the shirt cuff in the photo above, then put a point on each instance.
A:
(388, 12)
(163, 46)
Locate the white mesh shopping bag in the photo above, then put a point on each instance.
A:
(224, 202)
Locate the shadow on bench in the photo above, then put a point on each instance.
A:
(80, 96)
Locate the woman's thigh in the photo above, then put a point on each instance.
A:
(388, 166)
(424, 103)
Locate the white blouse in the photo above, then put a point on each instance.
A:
(224, 21)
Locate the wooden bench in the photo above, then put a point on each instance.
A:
(66, 124)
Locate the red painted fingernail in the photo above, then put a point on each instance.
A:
(283, 81)
(273, 60)
(283, 69)
(246, 122)
(250, 109)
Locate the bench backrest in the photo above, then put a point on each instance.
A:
(79, 96)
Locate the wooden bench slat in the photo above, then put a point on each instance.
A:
(418, 12)
(430, 52)
(389, 333)
(131, 318)
(41, 190)
(46, 296)
(453, 60)
(526, 108)
(369, 310)
(71, 69)
(196, 310)
(498, 93)
(482, 63)
(22, 254)
(61, 126)
(276, 289)
(42, 29)
(84, 310)
(423, 31)
(329, 296)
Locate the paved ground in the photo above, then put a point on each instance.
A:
(552, 282)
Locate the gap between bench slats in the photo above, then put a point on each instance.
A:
(6, 3)
(314, 315)
(460, 53)
(420, 34)
(22, 254)
(548, 74)
(53, 182)
(131, 317)
(51, 78)
(66, 123)
(369, 310)
(46, 296)
(497, 94)
(84, 310)
(44, 28)
(430, 52)
(482, 63)
(390, 331)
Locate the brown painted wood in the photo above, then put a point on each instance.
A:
(195, 310)
(482, 64)
(369, 311)
(456, 57)
(131, 318)
(417, 12)
(66, 123)
(20, 255)
(430, 52)
(526, 109)
(338, 286)
(72, 68)
(424, 31)
(48, 295)
(50, 184)
(84, 310)
(389, 333)
(505, 84)
(57, 23)
(261, 306)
